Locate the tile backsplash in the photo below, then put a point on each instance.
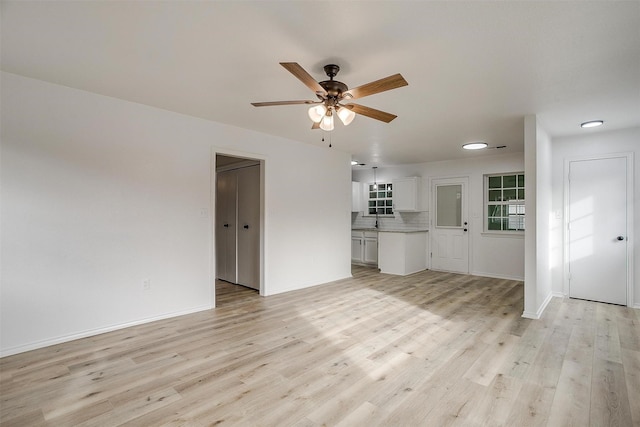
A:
(399, 221)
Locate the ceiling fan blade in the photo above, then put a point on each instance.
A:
(371, 112)
(272, 103)
(388, 83)
(295, 69)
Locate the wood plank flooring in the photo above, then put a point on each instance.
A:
(430, 349)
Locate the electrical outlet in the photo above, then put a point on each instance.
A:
(146, 284)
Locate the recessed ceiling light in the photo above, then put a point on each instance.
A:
(592, 124)
(475, 146)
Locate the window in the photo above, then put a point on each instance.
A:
(380, 199)
(504, 200)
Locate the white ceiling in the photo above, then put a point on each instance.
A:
(475, 69)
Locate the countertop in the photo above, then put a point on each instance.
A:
(390, 230)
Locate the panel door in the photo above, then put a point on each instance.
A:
(249, 226)
(226, 188)
(597, 214)
(449, 234)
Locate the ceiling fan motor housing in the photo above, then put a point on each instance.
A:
(334, 88)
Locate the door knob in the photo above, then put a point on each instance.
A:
(246, 226)
(464, 229)
(226, 225)
(620, 238)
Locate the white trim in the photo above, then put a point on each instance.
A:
(538, 314)
(504, 234)
(630, 218)
(496, 276)
(92, 332)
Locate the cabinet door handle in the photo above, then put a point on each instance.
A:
(226, 226)
(246, 226)
(620, 238)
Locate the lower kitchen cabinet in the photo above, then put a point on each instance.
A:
(403, 253)
(364, 247)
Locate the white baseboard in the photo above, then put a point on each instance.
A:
(496, 276)
(637, 306)
(91, 332)
(538, 314)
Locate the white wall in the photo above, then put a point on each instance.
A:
(588, 144)
(99, 194)
(490, 254)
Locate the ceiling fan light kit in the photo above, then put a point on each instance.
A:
(331, 93)
(317, 112)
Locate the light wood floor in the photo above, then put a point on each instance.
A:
(431, 349)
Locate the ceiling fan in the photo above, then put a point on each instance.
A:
(331, 94)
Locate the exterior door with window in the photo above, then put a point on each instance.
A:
(450, 231)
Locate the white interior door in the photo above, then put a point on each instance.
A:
(449, 233)
(226, 189)
(249, 227)
(597, 230)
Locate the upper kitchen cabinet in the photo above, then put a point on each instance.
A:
(357, 197)
(406, 194)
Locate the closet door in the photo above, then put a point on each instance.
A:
(249, 227)
(226, 225)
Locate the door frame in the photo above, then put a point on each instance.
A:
(213, 187)
(432, 217)
(630, 235)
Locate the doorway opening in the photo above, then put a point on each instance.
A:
(238, 225)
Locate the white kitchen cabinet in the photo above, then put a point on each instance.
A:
(370, 253)
(357, 197)
(406, 194)
(402, 253)
(364, 247)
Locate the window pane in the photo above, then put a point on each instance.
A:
(389, 194)
(380, 211)
(509, 194)
(381, 194)
(382, 186)
(515, 223)
(509, 181)
(449, 205)
(372, 211)
(494, 224)
(495, 182)
(520, 180)
(371, 187)
(388, 202)
(389, 211)
(372, 195)
(495, 195)
(389, 187)
(520, 194)
(372, 203)
(494, 210)
(380, 203)
(520, 209)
